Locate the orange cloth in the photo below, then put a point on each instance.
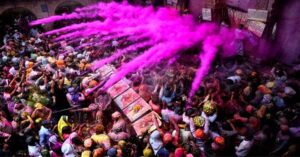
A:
(264, 89)
(60, 63)
(199, 133)
(92, 83)
(219, 140)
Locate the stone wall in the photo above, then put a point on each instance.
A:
(196, 6)
(35, 6)
(288, 33)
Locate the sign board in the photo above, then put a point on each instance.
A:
(144, 124)
(258, 15)
(206, 14)
(256, 27)
(118, 88)
(136, 110)
(126, 98)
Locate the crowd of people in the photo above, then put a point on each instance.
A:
(48, 108)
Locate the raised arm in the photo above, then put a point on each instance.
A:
(156, 124)
(49, 113)
(206, 126)
(177, 134)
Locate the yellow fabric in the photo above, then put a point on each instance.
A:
(86, 153)
(28, 70)
(67, 82)
(11, 53)
(38, 120)
(38, 105)
(30, 64)
(100, 138)
(121, 143)
(147, 152)
(51, 60)
(61, 124)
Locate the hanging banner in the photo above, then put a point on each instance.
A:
(206, 14)
(257, 15)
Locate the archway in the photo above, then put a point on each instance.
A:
(17, 17)
(65, 7)
(9, 15)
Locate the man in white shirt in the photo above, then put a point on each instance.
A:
(244, 147)
(68, 148)
(45, 133)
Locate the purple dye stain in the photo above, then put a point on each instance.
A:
(167, 34)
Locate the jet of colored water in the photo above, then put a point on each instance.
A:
(167, 35)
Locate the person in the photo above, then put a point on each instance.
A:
(88, 143)
(64, 127)
(59, 96)
(242, 108)
(100, 137)
(282, 139)
(157, 144)
(119, 130)
(55, 146)
(45, 133)
(42, 112)
(34, 150)
(69, 146)
(74, 98)
(168, 93)
(244, 147)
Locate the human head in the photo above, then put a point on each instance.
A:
(67, 129)
(99, 152)
(112, 152)
(199, 133)
(116, 115)
(76, 139)
(209, 107)
(88, 143)
(46, 123)
(30, 141)
(284, 128)
(122, 143)
(249, 109)
(218, 143)
(199, 121)
(167, 138)
(180, 152)
(155, 141)
(99, 129)
(147, 152)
